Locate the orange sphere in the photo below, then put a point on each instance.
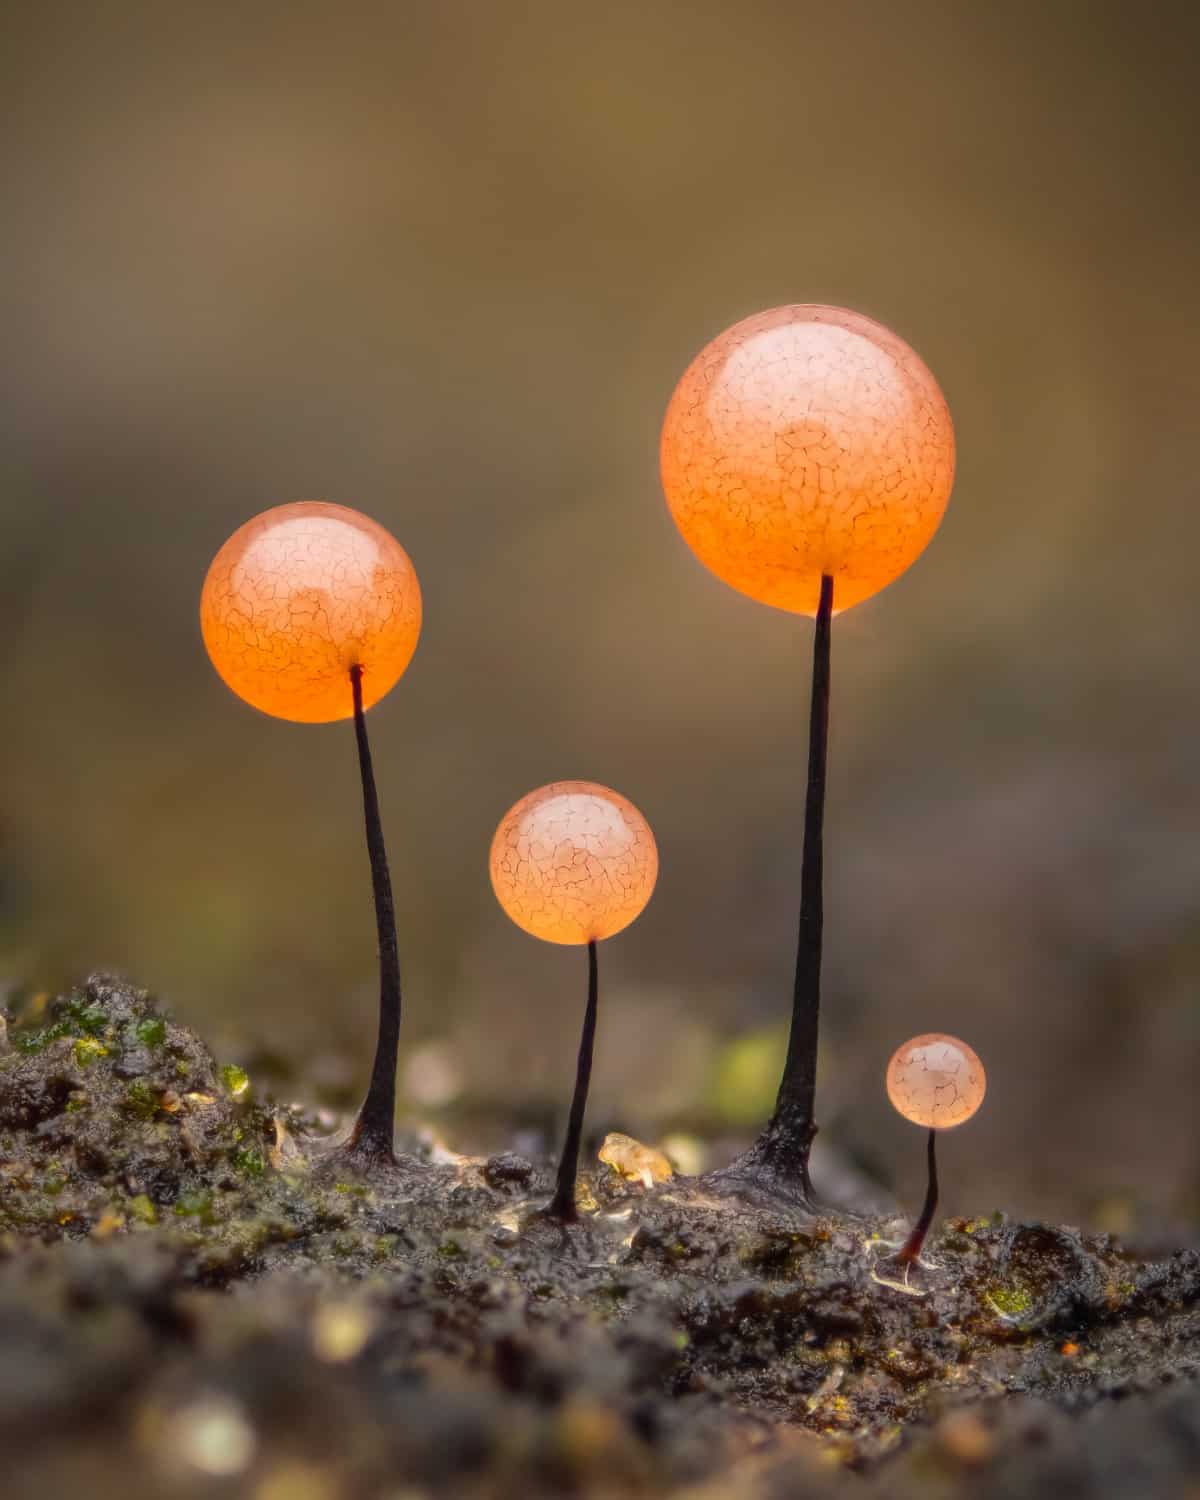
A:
(935, 1080)
(573, 862)
(802, 441)
(298, 596)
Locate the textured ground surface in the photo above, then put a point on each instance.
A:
(195, 1298)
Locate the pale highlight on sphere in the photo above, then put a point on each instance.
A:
(936, 1080)
(299, 595)
(807, 440)
(573, 862)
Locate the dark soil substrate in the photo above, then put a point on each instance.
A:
(197, 1296)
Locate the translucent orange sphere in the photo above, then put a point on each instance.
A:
(807, 440)
(935, 1080)
(298, 596)
(573, 862)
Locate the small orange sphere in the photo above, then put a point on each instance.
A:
(807, 440)
(935, 1080)
(298, 596)
(573, 862)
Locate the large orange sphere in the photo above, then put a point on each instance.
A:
(298, 596)
(936, 1080)
(802, 441)
(573, 862)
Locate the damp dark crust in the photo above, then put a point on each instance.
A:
(187, 1279)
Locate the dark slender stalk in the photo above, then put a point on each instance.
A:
(911, 1249)
(797, 1090)
(562, 1205)
(778, 1160)
(373, 1134)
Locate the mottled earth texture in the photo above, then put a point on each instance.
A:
(196, 1299)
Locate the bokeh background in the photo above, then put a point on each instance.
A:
(444, 262)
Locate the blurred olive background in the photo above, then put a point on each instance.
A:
(444, 262)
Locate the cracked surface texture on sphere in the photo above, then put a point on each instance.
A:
(935, 1080)
(573, 862)
(299, 595)
(807, 440)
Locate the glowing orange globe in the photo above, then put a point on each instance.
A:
(573, 862)
(298, 596)
(807, 440)
(935, 1080)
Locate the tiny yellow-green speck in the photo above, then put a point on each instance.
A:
(1010, 1301)
(235, 1079)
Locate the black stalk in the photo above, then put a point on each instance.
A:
(911, 1249)
(373, 1134)
(797, 1090)
(562, 1205)
(778, 1159)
